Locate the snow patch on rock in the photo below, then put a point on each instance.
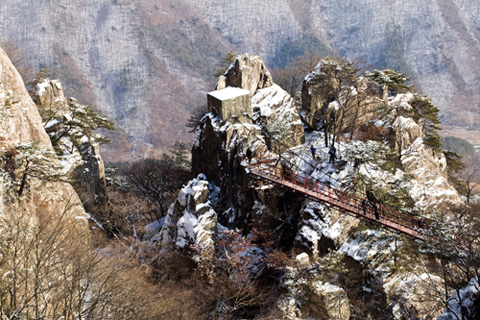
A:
(191, 219)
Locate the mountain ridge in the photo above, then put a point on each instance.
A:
(131, 59)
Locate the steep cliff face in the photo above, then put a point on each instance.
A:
(220, 147)
(131, 59)
(126, 58)
(21, 125)
(20, 119)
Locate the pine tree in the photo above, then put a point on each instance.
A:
(79, 122)
(224, 64)
(34, 160)
(394, 81)
(335, 81)
(179, 156)
(426, 113)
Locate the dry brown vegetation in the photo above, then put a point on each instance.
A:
(19, 60)
(50, 270)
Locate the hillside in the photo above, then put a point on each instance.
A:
(147, 64)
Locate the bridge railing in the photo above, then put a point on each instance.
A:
(338, 198)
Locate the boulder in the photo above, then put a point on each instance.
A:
(409, 292)
(306, 297)
(191, 219)
(49, 96)
(247, 72)
(286, 308)
(321, 229)
(406, 132)
(302, 260)
(222, 83)
(329, 300)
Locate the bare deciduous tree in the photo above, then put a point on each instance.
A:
(49, 271)
(19, 59)
(456, 247)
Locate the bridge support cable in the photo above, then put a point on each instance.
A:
(351, 204)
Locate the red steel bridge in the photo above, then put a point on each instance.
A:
(267, 170)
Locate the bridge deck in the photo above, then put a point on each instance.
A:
(265, 170)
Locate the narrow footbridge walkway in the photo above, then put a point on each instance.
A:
(267, 171)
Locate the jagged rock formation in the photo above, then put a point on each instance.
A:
(326, 93)
(246, 72)
(408, 286)
(21, 123)
(427, 166)
(405, 291)
(275, 109)
(191, 219)
(321, 229)
(323, 239)
(220, 147)
(318, 299)
(79, 153)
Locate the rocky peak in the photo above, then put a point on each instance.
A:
(20, 123)
(20, 120)
(246, 72)
(49, 95)
(225, 197)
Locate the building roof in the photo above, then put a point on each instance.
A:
(228, 93)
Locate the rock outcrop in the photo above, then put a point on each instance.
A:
(220, 146)
(322, 229)
(246, 72)
(21, 123)
(191, 220)
(305, 297)
(405, 291)
(275, 109)
(79, 154)
(342, 265)
(20, 120)
(330, 300)
(432, 189)
(413, 292)
(331, 91)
